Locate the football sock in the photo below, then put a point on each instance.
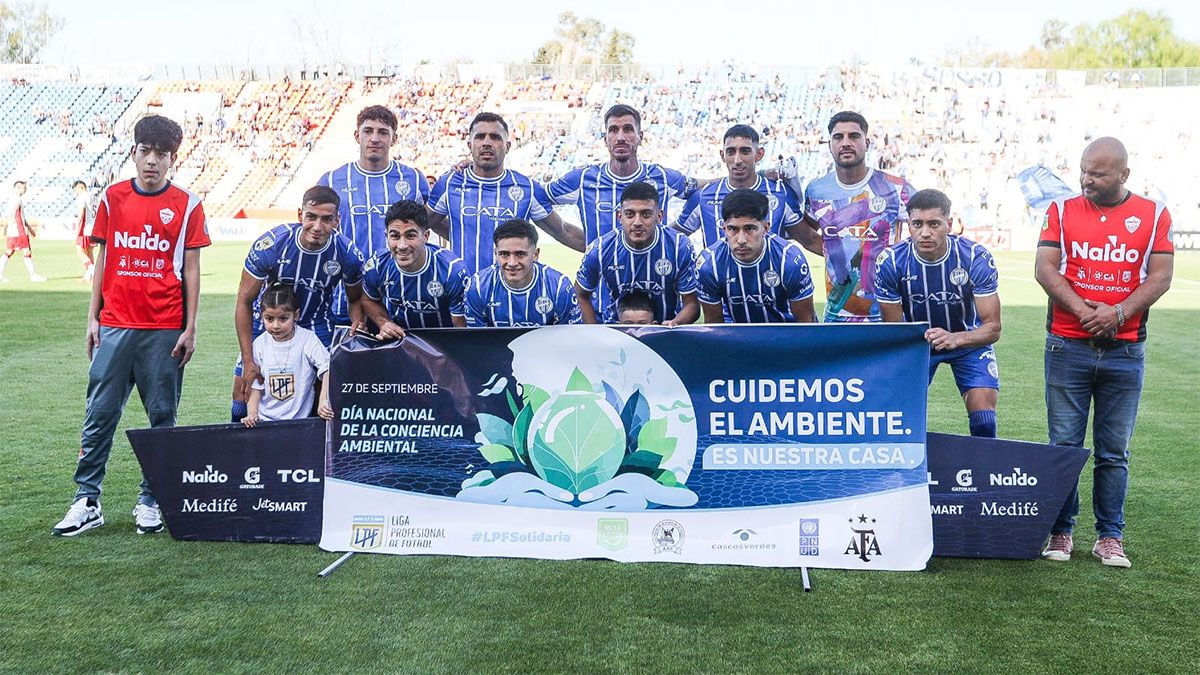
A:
(983, 423)
(237, 411)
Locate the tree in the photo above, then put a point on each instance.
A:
(25, 28)
(584, 41)
(1135, 39)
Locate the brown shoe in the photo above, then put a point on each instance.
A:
(1059, 548)
(1111, 552)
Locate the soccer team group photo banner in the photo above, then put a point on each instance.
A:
(772, 445)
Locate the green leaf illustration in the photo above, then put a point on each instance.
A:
(667, 478)
(653, 438)
(578, 381)
(534, 396)
(520, 434)
(494, 452)
(641, 462)
(578, 443)
(512, 405)
(494, 429)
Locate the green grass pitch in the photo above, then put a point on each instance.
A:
(110, 600)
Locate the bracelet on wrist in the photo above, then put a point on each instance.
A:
(1120, 314)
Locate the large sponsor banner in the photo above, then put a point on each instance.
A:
(230, 483)
(782, 445)
(993, 498)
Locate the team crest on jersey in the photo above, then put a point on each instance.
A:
(435, 289)
(403, 188)
(515, 193)
(958, 276)
(369, 264)
(877, 204)
(663, 267)
(544, 304)
(772, 202)
(265, 243)
(771, 278)
(1132, 223)
(282, 386)
(881, 257)
(167, 215)
(1126, 276)
(332, 267)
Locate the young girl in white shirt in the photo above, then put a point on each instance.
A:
(291, 358)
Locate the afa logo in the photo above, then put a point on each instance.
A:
(863, 542)
(369, 264)
(366, 532)
(663, 267)
(515, 193)
(435, 289)
(544, 304)
(332, 267)
(403, 188)
(667, 535)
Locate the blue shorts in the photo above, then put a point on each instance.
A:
(973, 368)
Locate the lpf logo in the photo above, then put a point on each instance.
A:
(282, 386)
(366, 532)
(863, 542)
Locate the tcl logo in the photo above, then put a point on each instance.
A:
(297, 476)
(1110, 253)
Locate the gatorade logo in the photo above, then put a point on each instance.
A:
(144, 241)
(1112, 252)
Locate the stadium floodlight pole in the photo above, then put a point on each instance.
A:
(338, 563)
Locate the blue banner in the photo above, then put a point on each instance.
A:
(994, 498)
(781, 445)
(230, 483)
(1041, 186)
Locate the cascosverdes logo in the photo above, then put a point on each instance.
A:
(143, 241)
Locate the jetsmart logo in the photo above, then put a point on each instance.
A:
(209, 475)
(1112, 252)
(144, 241)
(1017, 477)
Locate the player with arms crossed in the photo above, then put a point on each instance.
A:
(371, 184)
(641, 257)
(854, 212)
(466, 205)
(413, 284)
(951, 283)
(753, 276)
(142, 314)
(317, 261)
(741, 153)
(518, 290)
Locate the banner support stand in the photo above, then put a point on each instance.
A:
(336, 564)
(804, 578)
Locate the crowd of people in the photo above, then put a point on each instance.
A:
(361, 255)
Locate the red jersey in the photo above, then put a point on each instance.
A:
(144, 237)
(1105, 255)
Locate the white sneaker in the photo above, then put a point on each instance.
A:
(83, 515)
(148, 519)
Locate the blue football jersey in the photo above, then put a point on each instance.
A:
(278, 256)
(426, 298)
(703, 209)
(758, 292)
(597, 193)
(941, 292)
(548, 299)
(365, 198)
(474, 206)
(665, 270)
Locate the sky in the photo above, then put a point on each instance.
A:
(695, 32)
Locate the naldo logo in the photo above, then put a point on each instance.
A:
(1016, 478)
